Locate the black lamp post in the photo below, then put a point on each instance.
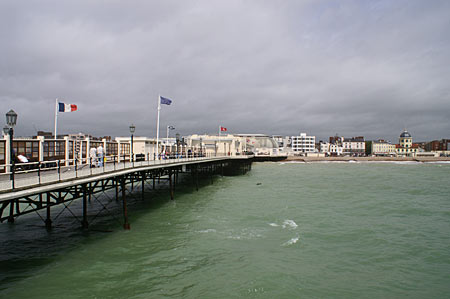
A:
(11, 119)
(132, 129)
(177, 138)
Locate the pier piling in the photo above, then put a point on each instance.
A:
(85, 223)
(126, 225)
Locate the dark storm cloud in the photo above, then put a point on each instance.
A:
(280, 67)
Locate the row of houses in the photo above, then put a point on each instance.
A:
(358, 146)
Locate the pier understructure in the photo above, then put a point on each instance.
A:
(132, 181)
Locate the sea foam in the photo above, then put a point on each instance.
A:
(289, 224)
(291, 241)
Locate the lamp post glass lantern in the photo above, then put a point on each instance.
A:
(11, 118)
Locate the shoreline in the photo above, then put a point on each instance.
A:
(368, 159)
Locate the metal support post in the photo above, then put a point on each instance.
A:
(117, 188)
(143, 184)
(126, 225)
(90, 191)
(170, 184)
(48, 220)
(85, 223)
(11, 212)
(196, 178)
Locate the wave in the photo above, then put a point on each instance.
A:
(291, 241)
(209, 230)
(289, 224)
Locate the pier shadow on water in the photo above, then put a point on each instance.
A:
(26, 246)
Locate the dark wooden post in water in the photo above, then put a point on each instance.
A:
(126, 225)
(84, 223)
(48, 221)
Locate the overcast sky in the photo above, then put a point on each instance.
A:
(354, 68)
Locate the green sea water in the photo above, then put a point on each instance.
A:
(283, 230)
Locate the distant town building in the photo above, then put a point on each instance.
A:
(334, 147)
(355, 146)
(406, 148)
(46, 135)
(284, 143)
(323, 147)
(235, 144)
(380, 148)
(438, 145)
(303, 143)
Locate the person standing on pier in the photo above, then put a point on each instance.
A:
(93, 156)
(100, 155)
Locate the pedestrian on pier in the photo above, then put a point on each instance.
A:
(93, 156)
(100, 155)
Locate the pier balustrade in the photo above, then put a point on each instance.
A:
(33, 174)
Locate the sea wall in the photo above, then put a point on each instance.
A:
(373, 159)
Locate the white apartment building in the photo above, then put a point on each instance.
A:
(303, 143)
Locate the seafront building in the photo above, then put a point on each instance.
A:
(380, 148)
(235, 144)
(406, 148)
(284, 143)
(442, 146)
(303, 143)
(355, 146)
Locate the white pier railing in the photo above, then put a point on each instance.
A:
(23, 175)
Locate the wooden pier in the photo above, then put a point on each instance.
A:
(35, 191)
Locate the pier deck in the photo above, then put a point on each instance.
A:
(33, 191)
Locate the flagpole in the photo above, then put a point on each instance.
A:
(157, 127)
(220, 127)
(56, 117)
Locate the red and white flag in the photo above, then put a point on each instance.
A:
(222, 129)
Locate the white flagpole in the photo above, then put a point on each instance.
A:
(220, 127)
(56, 117)
(157, 127)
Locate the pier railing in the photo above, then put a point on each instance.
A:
(21, 175)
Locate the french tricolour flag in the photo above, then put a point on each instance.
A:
(66, 107)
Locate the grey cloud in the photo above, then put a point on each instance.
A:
(351, 67)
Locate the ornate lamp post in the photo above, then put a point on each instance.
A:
(177, 138)
(132, 129)
(168, 132)
(11, 119)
